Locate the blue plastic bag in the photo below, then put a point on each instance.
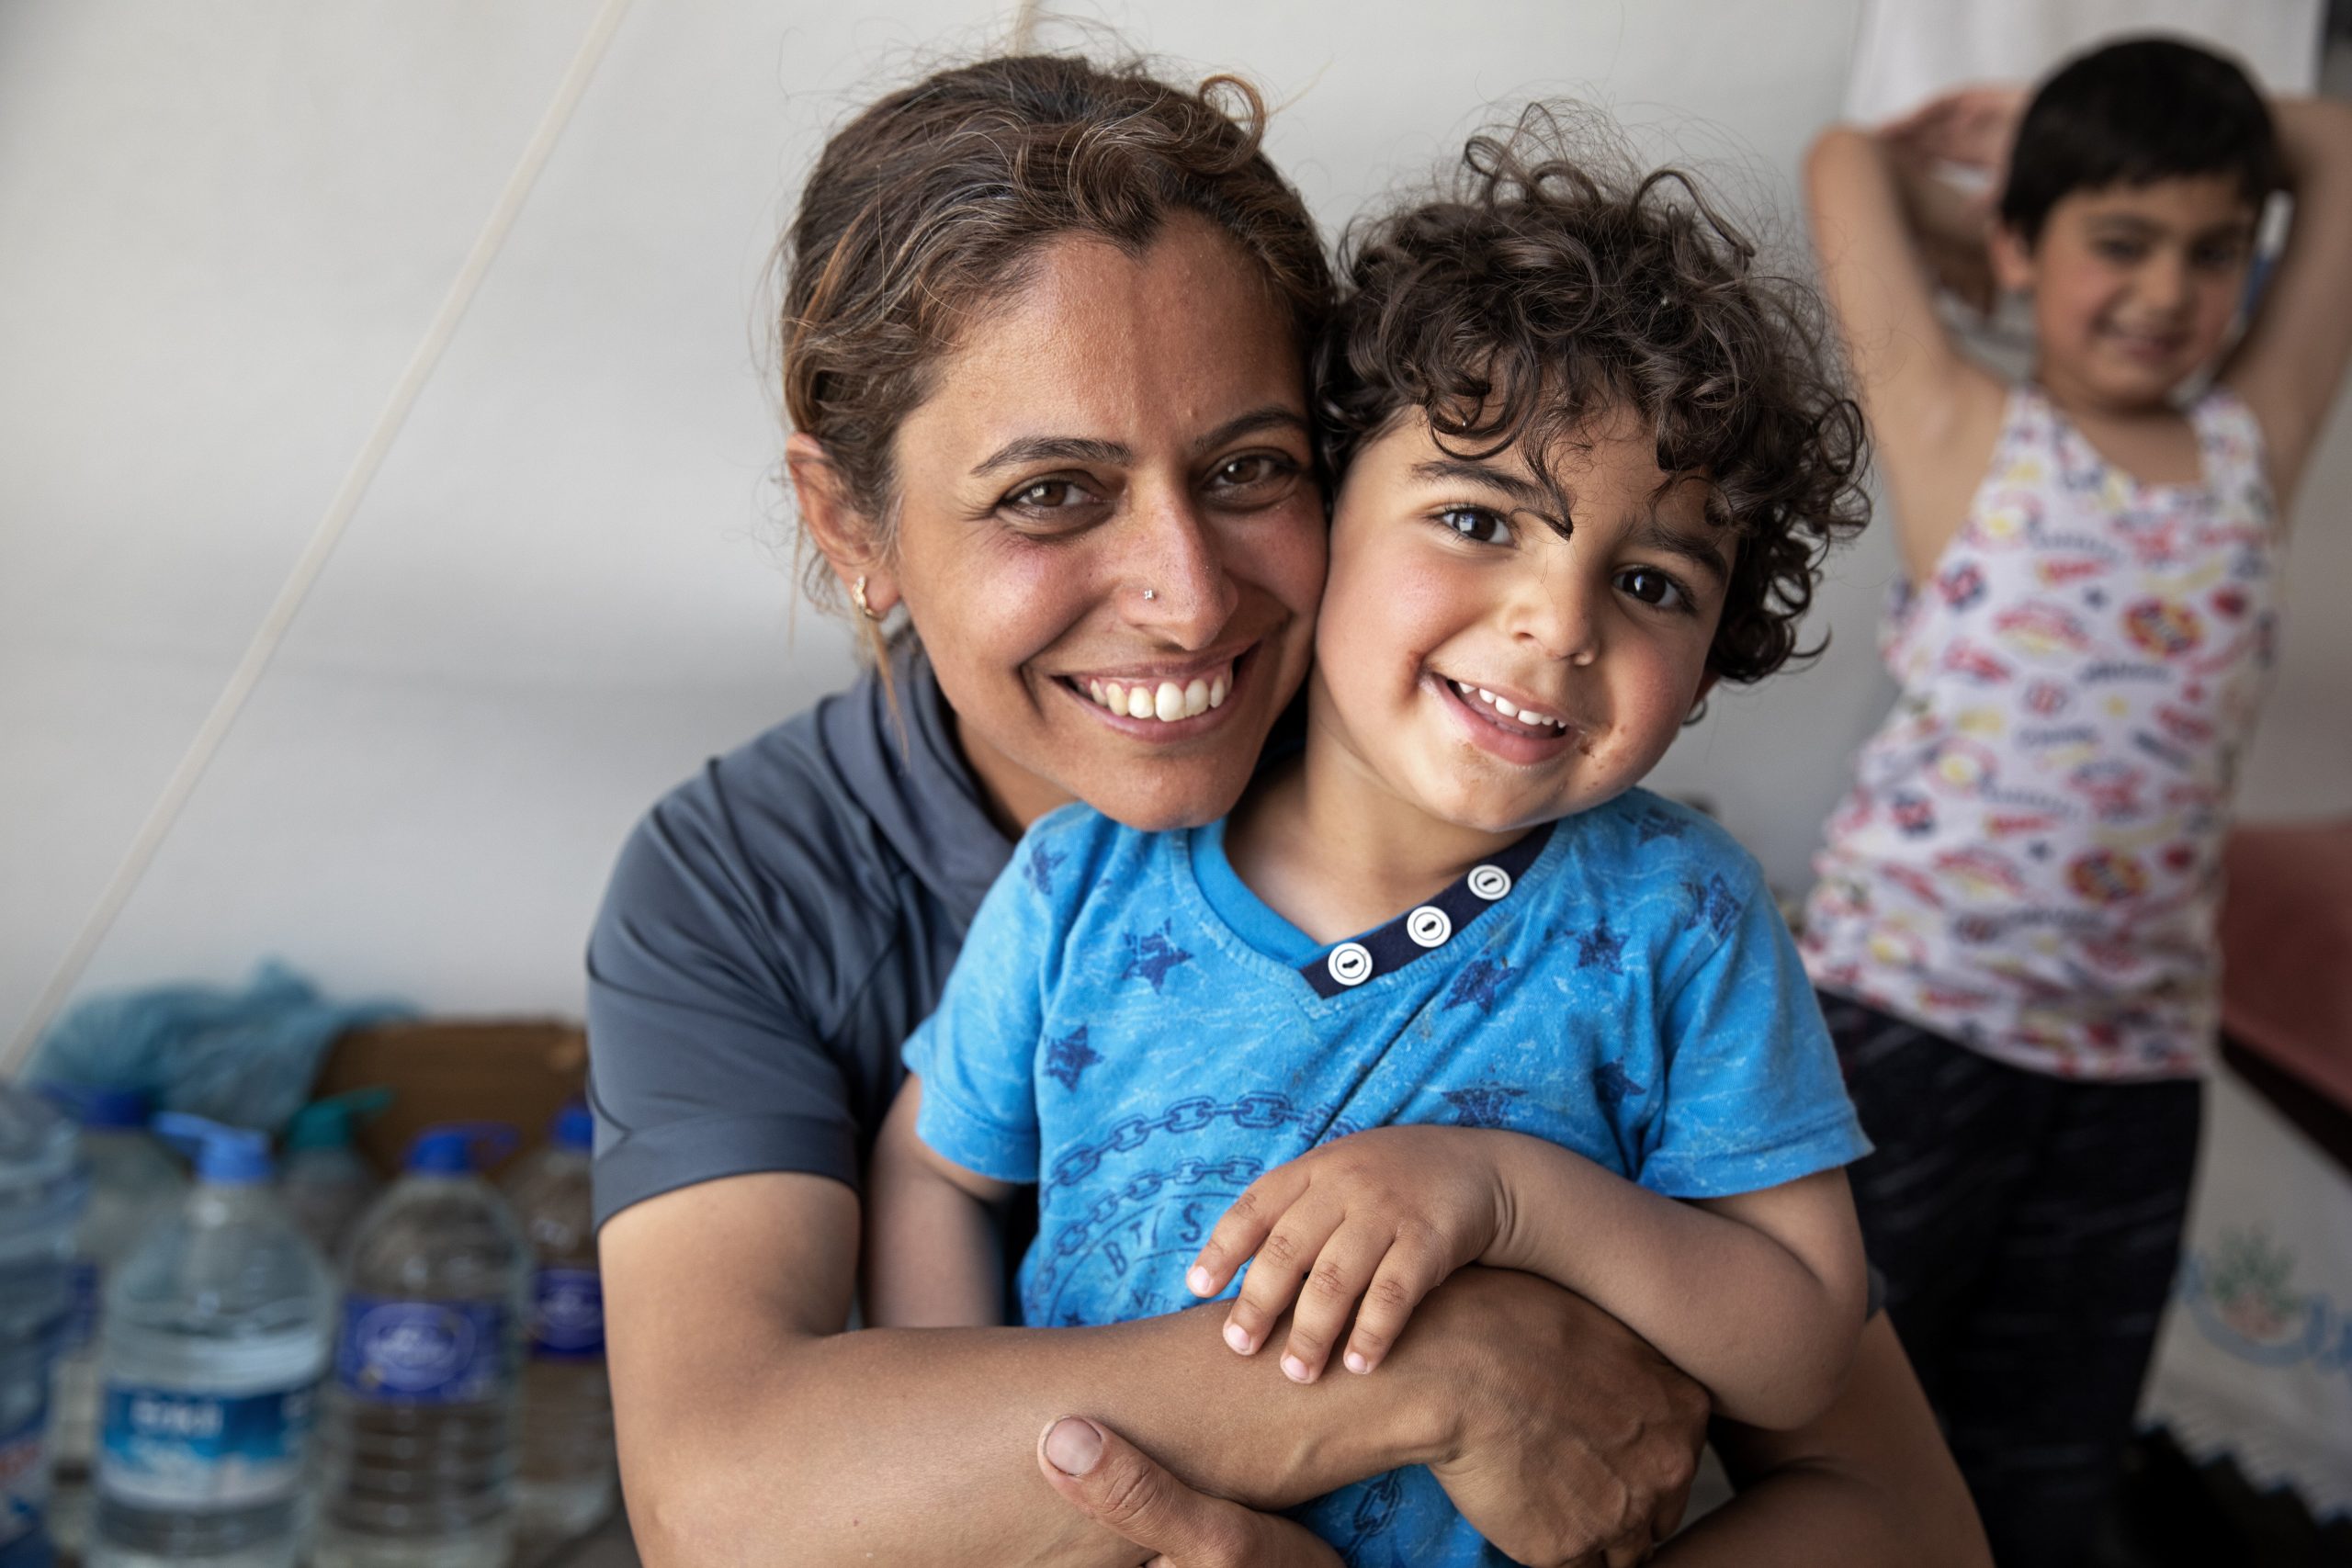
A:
(243, 1057)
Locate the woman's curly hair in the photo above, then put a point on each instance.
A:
(1541, 288)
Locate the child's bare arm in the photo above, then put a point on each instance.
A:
(1759, 1297)
(1934, 413)
(931, 1252)
(2292, 357)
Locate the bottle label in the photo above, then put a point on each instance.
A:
(165, 1449)
(85, 1285)
(422, 1352)
(24, 1475)
(568, 1314)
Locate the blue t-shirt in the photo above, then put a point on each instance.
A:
(1132, 1029)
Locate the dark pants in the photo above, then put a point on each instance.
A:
(2029, 1228)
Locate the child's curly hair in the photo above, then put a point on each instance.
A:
(1539, 289)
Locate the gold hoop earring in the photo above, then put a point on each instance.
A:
(857, 597)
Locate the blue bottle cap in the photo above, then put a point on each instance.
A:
(574, 1130)
(225, 1156)
(102, 1110)
(459, 1148)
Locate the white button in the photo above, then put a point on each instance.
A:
(1429, 926)
(1489, 882)
(1350, 964)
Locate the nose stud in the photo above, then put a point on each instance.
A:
(1151, 593)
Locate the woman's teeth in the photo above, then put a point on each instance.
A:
(1167, 701)
(1504, 706)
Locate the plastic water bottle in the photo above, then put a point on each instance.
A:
(324, 1183)
(420, 1441)
(569, 1477)
(217, 1329)
(133, 1184)
(42, 1188)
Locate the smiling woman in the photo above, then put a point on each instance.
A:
(1045, 342)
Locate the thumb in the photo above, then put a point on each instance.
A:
(1128, 1493)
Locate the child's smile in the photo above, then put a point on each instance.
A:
(1479, 666)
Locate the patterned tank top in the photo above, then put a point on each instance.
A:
(2031, 860)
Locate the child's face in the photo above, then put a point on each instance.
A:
(1446, 579)
(2133, 287)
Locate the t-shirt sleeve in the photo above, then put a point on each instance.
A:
(977, 1053)
(1754, 1098)
(703, 1058)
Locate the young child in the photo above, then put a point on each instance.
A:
(2014, 925)
(1447, 988)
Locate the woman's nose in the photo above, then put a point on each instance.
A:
(1176, 583)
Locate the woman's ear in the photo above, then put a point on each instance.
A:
(841, 533)
(2012, 257)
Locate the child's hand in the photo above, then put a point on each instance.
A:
(1380, 1217)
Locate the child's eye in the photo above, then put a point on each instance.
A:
(2121, 251)
(2215, 258)
(1652, 586)
(1476, 523)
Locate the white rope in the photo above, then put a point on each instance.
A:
(323, 539)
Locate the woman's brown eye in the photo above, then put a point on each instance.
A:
(1245, 470)
(1045, 494)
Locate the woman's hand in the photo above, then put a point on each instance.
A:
(1574, 1442)
(1126, 1490)
(1379, 1217)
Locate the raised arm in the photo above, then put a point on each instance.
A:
(1934, 413)
(747, 1419)
(2290, 363)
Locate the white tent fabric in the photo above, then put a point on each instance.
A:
(1907, 51)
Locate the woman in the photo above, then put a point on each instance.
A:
(1042, 336)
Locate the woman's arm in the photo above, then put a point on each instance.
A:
(1870, 1484)
(1934, 413)
(933, 1259)
(747, 1419)
(2292, 359)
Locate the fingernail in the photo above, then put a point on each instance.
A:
(1073, 1446)
(1295, 1370)
(1239, 1337)
(1197, 1282)
(1356, 1363)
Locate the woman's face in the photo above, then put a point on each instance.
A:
(1110, 497)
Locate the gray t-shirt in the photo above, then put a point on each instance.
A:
(775, 930)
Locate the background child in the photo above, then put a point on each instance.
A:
(2014, 924)
(1588, 460)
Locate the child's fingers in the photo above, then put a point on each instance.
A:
(1243, 1229)
(1282, 1259)
(1333, 1287)
(1411, 1270)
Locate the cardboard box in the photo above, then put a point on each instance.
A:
(515, 1071)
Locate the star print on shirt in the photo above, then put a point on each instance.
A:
(1601, 948)
(1612, 1083)
(1152, 954)
(1067, 1057)
(1040, 869)
(1486, 1106)
(1477, 982)
(1713, 902)
(1656, 824)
